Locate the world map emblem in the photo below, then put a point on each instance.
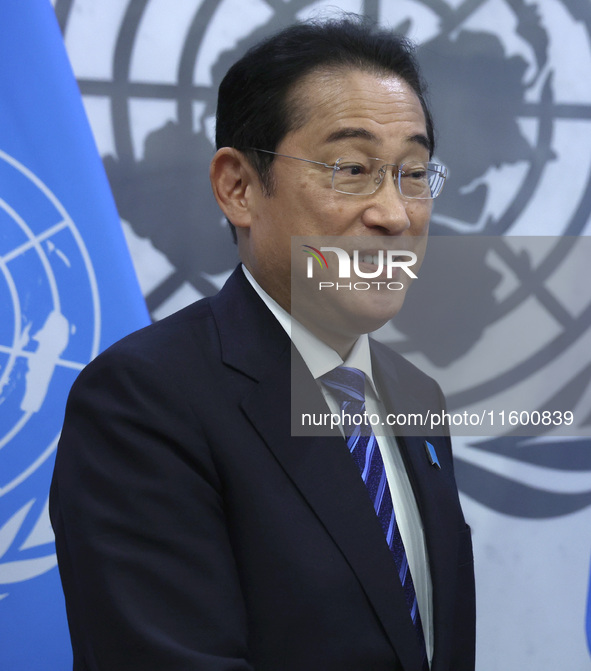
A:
(509, 112)
(49, 330)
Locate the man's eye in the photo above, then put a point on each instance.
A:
(416, 173)
(353, 169)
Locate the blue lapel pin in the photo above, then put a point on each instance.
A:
(432, 455)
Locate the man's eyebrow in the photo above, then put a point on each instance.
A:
(364, 134)
(421, 139)
(344, 133)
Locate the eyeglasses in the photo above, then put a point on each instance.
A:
(415, 180)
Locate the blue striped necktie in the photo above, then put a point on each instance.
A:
(347, 385)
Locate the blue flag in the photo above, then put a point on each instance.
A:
(67, 291)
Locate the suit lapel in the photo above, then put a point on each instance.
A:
(320, 467)
(325, 474)
(436, 493)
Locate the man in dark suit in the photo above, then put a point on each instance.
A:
(193, 530)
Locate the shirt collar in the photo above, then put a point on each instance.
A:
(317, 355)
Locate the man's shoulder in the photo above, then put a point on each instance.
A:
(157, 354)
(166, 335)
(182, 331)
(233, 324)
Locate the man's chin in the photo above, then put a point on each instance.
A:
(350, 313)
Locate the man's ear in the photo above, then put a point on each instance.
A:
(232, 180)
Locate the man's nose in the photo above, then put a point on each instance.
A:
(386, 208)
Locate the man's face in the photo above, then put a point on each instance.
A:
(349, 114)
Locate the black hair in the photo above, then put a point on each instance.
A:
(254, 104)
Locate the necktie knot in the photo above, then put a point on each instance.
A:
(347, 384)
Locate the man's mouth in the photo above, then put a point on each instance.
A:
(373, 257)
(370, 259)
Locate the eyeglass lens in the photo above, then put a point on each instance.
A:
(414, 180)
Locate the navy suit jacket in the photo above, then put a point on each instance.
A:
(194, 533)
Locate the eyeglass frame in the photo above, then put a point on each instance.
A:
(381, 171)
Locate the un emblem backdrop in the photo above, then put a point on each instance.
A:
(511, 91)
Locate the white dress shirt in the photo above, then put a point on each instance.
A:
(320, 359)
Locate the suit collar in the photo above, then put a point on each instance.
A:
(320, 358)
(251, 338)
